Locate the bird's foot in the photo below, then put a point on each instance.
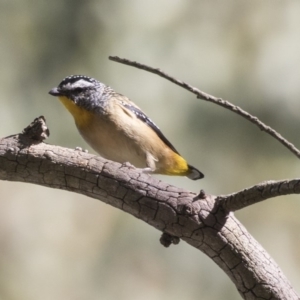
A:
(81, 150)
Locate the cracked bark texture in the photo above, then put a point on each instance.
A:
(198, 220)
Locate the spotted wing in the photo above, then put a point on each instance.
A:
(140, 115)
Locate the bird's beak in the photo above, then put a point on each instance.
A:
(55, 92)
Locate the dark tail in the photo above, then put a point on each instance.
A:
(194, 174)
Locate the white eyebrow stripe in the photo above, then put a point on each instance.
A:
(79, 84)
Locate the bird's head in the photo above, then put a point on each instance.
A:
(84, 91)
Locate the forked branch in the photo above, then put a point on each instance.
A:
(199, 220)
(204, 221)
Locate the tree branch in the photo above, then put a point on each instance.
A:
(258, 193)
(199, 220)
(219, 101)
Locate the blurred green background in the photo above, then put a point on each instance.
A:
(59, 245)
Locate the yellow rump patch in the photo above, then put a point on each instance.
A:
(176, 166)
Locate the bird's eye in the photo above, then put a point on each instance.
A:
(78, 90)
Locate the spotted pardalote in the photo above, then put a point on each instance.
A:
(118, 129)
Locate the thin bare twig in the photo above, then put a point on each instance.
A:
(258, 193)
(219, 101)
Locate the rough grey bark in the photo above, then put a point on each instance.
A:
(199, 220)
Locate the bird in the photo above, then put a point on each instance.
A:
(118, 130)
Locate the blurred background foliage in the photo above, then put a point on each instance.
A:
(59, 245)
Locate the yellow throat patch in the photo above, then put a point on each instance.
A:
(81, 116)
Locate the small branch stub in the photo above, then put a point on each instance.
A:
(167, 239)
(37, 130)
